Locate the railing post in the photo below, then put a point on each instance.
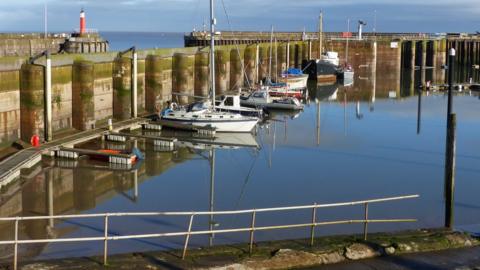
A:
(15, 249)
(252, 230)
(187, 238)
(314, 220)
(365, 225)
(105, 241)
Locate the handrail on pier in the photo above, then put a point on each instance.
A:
(192, 214)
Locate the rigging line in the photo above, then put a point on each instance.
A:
(244, 187)
(236, 44)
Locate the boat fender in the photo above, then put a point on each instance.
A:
(138, 153)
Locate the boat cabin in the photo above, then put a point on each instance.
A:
(230, 101)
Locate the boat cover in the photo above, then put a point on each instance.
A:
(293, 71)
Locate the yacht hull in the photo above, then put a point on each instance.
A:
(218, 125)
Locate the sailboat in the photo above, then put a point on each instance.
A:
(347, 73)
(324, 69)
(205, 114)
(283, 87)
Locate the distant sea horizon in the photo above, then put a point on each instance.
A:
(143, 40)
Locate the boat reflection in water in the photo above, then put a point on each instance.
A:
(60, 186)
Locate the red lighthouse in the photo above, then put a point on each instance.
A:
(82, 22)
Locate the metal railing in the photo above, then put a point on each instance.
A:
(190, 232)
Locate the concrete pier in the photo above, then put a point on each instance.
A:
(157, 69)
(222, 71)
(83, 95)
(201, 74)
(264, 55)
(250, 56)
(122, 92)
(31, 101)
(282, 57)
(183, 66)
(236, 71)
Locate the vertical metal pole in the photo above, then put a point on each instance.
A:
(48, 98)
(314, 220)
(270, 57)
(450, 172)
(50, 198)
(212, 52)
(134, 83)
(105, 241)
(365, 226)
(15, 248)
(309, 50)
(287, 65)
(212, 193)
(419, 112)
(320, 35)
(257, 60)
(187, 238)
(451, 64)
(252, 230)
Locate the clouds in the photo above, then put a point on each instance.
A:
(183, 15)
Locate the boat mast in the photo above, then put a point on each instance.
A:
(276, 60)
(212, 192)
(212, 53)
(320, 35)
(270, 57)
(348, 38)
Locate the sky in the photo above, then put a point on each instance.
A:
(420, 16)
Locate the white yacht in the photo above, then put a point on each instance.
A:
(202, 114)
(205, 114)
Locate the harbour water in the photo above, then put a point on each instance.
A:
(350, 143)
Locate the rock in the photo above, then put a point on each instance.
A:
(286, 258)
(389, 250)
(359, 251)
(404, 247)
(459, 239)
(333, 257)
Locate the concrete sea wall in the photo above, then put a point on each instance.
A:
(87, 89)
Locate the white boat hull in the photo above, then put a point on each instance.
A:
(271, 105)
(218, 125)
(295, 82)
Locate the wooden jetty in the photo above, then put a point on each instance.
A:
(10, 167)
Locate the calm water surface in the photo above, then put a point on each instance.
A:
(350, 143)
